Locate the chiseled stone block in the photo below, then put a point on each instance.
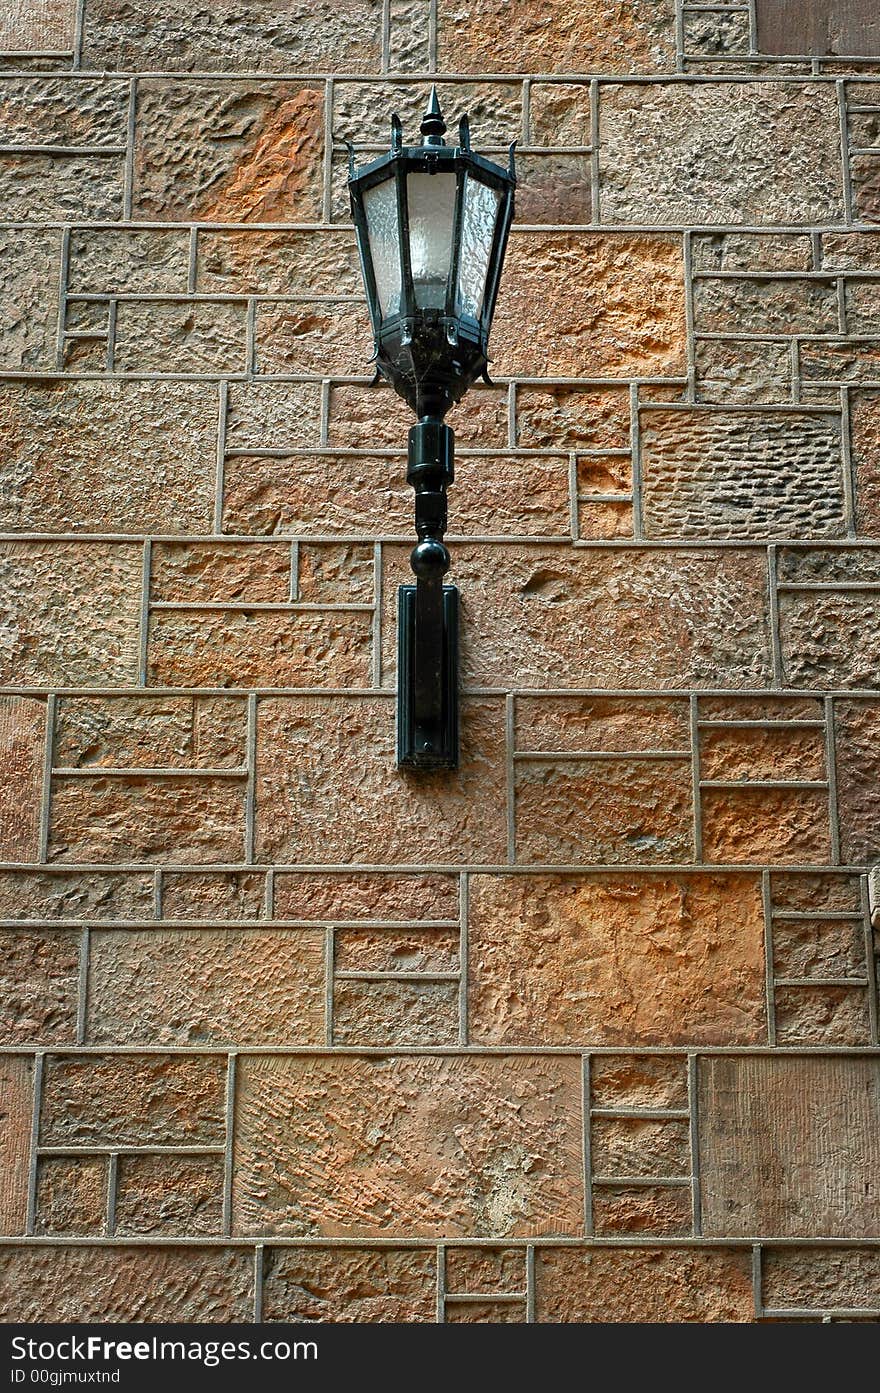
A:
(71, 1195)
(643, 1284)
(260, 648)
(857, 724)
(349, 1284)
(16, 1123)
(23, 746)
(39, 986)
(104, 261)
(159, 1196)
(587, 37)
(130, 818)
(150, 732)
(30, 268)
(818, 1279)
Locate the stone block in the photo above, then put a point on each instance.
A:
(119, 1284)
(338, 574)
(39, 985)
(789, 1147)
(107, 261)
(107, 456)
(865, 175)
(504, 38)
(138, 819)
(40, 26)
(850, 251)
(408, 36)
(16, 1122)
(638, 1081)
(372, 812)
(395, 1013)
(37, 187)
(162, 1196)
(816, 893)
(820, 1279)
(715, 33)
(819, 947)
(559, 113)
(742, 474)
(668, 151)
(71, 1195)
(484, 1312)
(181, 336)
(162, 732)
(206, 986)
(760, 824)
(643, 1284)
(314, 338)
(836, 364)
(228, 150)
(640, 1146)
(606, 724)
(828, 638)
(554, 189)
(407, 897)
(55, 109)
(749, 251)
(484, 1271)
(857, 753)
(663, 1211)
(296, 261)
(742, 371)
(537, 616)
(273, 415)
(213, 895)
(765, 306)
(430, 1146)
(23, 743)
(349, 1284)
(30, 268)
(397, 950)
(71, 612)
(762, 753)
(133, 1100)
(865, 427)
(269, 36)
(47, 894)
(589, 417)
(597, 305)
(602, 959)
(226, 573)
(822, 1016)
(362, 110)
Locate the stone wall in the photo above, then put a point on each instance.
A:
(587, 1030)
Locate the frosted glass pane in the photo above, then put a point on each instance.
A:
(431, 200)
(380, 206)
(477, 232)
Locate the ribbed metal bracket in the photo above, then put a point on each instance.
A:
(427, 682)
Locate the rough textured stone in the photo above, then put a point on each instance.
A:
(315, 337)
(206, 987)
(767, 306)
(604, 812)
(133, 1100)
(86, 1283)
(715, 33)
(30, 263)
(16, 1118)
(41, 187)
(367, 417)
(497, 37)
(180, 337)
(558, 960)
(104, 261)
(336, 574)
(431, 1146)
(667, 153)
(484, 1312)
(349, 1284)
(489, 1271)
(48, 895)
(640, 1146)
(260, 648)
(638, 1081)
(741, 474)
(541, 617)
(137, 819)
(822, 1016)
(71, 1195)
(439, 817)
(579, 418)
(214, 895)
(745, 251)
(395, 1013)
(597, 305)
(604, 724)
(45, 109)
(663, 1211)
(39, 981)
(273, 415)
(228, 151)
(762, 753)
(397, 950)
(856, 729)
(742, 371)
(559, 113)
(39, 25)
(70, 612)
(643, 1284)
(828, 640)
(163, 732)
(816, 893)
(554, 189)
(107, 456)
(165, 1195)
(858, 251)
(293, 262)
(346, 895)
(23, 742)
(361, 109)
(819, 947)
(865, 426)
(820, 1279)
(789, 1147)
(228, 573)
(271, 35)
(765, 825)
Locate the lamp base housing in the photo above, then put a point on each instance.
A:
(434, 744)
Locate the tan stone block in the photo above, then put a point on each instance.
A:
(158, 732)
(822, 1016)
(640, 1146)
(604, 521)
(296, 261)
(50, 187)
(865, 175)
(643, 1284)
(762, 754)
(816, 892)
(138, 819)
(559, 113)
(409, 37)
(819, 947)
(397, 950)
(260, 648)
(559, 960)
(865, 425)
(345, 895)
(169, 1195)
(228, 150)
(768, 306)
(602, 723)
(316, 337)
(560, 39)
(103, 261)
(480, 1146)
(71, 612)
(107, 456)
(55, 109)
(181, 336)
(479, 1271)
(30, 267)
(603, 474)
(584, 418)
(49, 895)
(349, 1284)
(769, 707)
(23, 744)
(604, 812)
(765, 825)
(850, 251)
(273, 415)
(362, 110)
(373, 812)
(823, 565)
(742, 371)
(820, 1279)
(597, 305)
(91, 1283)
(214, 895)
(823, 361)
(16, 1121)
(267, 36)
(40, 26)
(551, 617)
(638, 1081)
(663, 1211)
(335, 574)
(554, 189)
(362, 417)
(784, 144)
(485, 1312)
(71, 1195)
(206, 986)
(39, 983)
(395, 1013)
(745, 251)
(133, 1100)
(790, 1147)
(230, 572)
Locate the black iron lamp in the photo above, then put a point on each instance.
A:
(432, 223)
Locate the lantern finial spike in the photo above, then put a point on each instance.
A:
(433, 127)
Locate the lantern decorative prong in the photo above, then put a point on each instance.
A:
(432, 222)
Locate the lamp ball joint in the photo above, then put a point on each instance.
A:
(430, 558)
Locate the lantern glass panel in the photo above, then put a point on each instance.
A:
(380, 207)
(431, 205)
(481, 205)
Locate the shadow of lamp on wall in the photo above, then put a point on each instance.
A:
(431, 223)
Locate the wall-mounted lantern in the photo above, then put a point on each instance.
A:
(432, 223)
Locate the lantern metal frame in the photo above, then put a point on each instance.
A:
(430, 356)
